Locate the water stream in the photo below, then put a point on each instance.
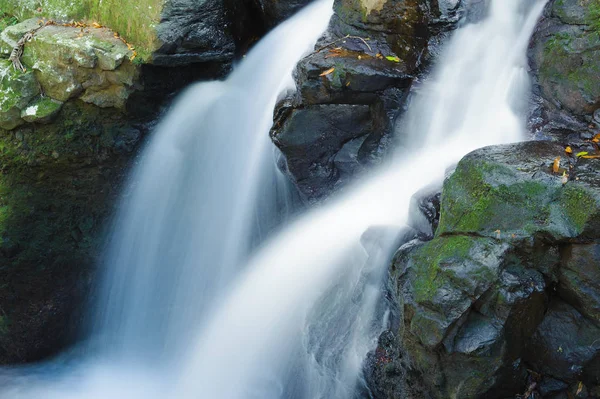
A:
(190, 309)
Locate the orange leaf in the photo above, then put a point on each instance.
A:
(569, 150)
(96, 25)
(327, 72)
(556, 165)
(596, 138)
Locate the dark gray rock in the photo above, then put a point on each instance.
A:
(566, 345)
(565, 59)
(194, 32)
(311, 137)
(275, 11)
(580, 279)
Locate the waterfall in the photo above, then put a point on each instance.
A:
(190, 310)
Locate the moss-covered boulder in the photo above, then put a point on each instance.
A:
(514, 236)
(17, 90)
(512, 192)
(566, 58)
(63, 63)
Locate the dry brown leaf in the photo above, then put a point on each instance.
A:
(556, 165)
(327, 72)
(591, 156)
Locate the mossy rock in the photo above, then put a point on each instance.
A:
(41, 110)
(17, 90)
(447, 275)
(511, 192)
(70, 62)
(567, 55)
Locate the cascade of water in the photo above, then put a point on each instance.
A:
(301, 320)
(190, 218)
(301, 315)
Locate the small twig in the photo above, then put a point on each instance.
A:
(343, 38)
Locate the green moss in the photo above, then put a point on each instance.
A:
(578, 205)
(7, 20)
(471, 204)
(593, 15)
(429, 260)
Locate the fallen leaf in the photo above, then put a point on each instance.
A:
(569, 150)
(581, 154)
(579, 388)
(565, 178)
(556, 165)
(96, 25)
(392, 58)
(591, 156)
(596, 138)
(327, 72)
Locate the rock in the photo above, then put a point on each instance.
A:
(474, 301)
(579, 281)
(311, 137)
(510, 191)
(275, 11)
(468, 309)
(193, 32)
(566, 346)
(565, 59)
(368, 57)
(41, 110)
(18, 89)
(424, 211)
(94, 66)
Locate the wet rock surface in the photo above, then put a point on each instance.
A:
(503, 299)
(565, 58)
(369, 56)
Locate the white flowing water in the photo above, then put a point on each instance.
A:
(191, 312)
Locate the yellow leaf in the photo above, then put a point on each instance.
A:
(579, 388)
(591, 156)
(327, 72)
(556, 165)
(581, 154)
(392, 58)
(596, 138)
(96, 25)
(569, 150)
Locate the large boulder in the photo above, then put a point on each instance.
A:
(514, 235)
(368, 58)
(565, 58)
